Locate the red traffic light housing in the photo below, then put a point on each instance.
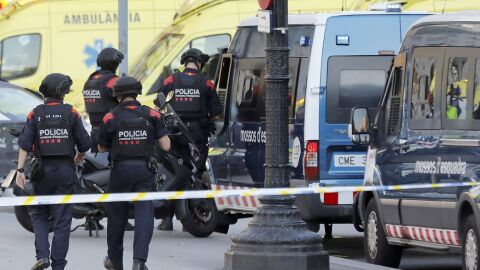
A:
(265, 4)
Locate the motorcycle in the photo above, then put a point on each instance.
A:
(176, 171)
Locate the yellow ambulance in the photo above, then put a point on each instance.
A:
(440, 6)
(40, 37)
(209, 26)
(3, 3)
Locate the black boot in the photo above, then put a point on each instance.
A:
(129, 227)
(109, 265)
(139, 265)
(41, 264)
(166, 224)
(328, 231)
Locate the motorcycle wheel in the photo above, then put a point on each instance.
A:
(23, 217)
(201, 218)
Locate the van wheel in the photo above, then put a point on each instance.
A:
(377, 249)
(470, 248)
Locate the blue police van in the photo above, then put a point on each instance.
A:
(337, 62)
(426, 132)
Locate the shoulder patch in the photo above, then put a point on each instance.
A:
(154, 113)
(112, 82)
(210, 84)
(75, 112)
(168, 80)
(107, 117)
(30, 115)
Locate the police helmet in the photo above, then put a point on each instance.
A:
(127, 85)
(109, 58)
(194, 55)
(55, 84)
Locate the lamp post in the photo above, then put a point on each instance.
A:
(276, 238)
(123, 34)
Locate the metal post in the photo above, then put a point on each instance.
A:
(277, 238)
(123, 34)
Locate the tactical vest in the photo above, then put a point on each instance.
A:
(54, 136)
(98, 98)
(190, 98)
(134, 137)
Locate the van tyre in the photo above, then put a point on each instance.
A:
(470, 244)
(23, 217)
(377, 249)
(201, 218)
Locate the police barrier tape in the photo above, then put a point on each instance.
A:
(208, 194)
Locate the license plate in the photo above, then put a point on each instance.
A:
(8, 180)
(350, 160)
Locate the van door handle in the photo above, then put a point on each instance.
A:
(460, 142)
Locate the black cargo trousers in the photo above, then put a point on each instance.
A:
(200, 136)
(58, 178)
(130, 176)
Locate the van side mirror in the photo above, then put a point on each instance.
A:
(359, 128)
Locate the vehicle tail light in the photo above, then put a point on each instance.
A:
(311, 161)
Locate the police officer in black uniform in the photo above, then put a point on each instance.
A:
(52, 131)
(129, 132)
(99, 100)
(197, 104)
(98, 90)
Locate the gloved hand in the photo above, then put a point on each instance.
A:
(211, 128)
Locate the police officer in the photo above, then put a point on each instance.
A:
(129, 132)
(99, 100)
(197, 104)
(52, 131)
(456, 108)
(97, 91)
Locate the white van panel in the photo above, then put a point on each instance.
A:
(312, 98)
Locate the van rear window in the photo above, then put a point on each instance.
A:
(361, 86)
(354, 81)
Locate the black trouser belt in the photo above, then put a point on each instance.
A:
(130, 162)
(58, 161)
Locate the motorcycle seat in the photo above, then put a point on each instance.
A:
(99, 178)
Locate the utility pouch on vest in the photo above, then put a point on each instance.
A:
(54, 135)
(152, 164)
(36, 170)
(134, 136)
